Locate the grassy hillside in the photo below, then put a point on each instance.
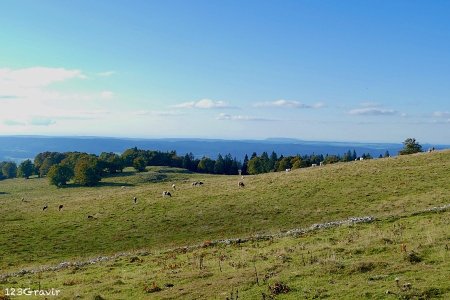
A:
(362, 261)
(219, 209)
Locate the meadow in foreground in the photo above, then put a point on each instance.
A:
(361, 261)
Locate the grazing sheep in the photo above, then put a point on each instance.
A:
(194, 183)
(135, 199)
(321, 163)
(361, 158)
(241, 184)
(288, 170)
(173, 186)
(60, 207)
(314, 165)
(166, 193)
(200, 183)
(45, 207)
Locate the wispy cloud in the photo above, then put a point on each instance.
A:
(373, 111)
(106, 73)
(35, 77)
(203, 104)
(228, 117)
(441, 114)
(157, 113)
(7, 97)
(441, 117)
(41, 121)
(34, 121)
(14, 123)
(281, 103)
(106, 95)
(28, 98)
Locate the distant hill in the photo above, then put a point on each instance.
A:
(18, 148)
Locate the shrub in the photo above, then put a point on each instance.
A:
(139, 164)
(25, 169)
(87, 171)
(59, 175)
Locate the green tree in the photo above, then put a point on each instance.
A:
(43, 161)
(187, 161)
(59, 175)
(2, 163)
(206, 165)
(9, 169)
(87, 171)
(347, 156)
(139, 164)
(129, 155)
(284, 163)
(354, 156)
(265, 162)
(245, 165)
(255, 166)
(273, 159)
(219, 166)
(330, 159)
(25, 169)
(235, 165)
(410, 146)
(111, 162)
(296, 162)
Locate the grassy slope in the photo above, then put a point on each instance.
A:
(349, 262)
(268, 203)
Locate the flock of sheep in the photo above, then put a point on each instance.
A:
(135, 199)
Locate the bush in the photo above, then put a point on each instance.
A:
(87, 171)
(59, 175)
(139, 164)
(9, 170)
(410, 146)
(25, 169)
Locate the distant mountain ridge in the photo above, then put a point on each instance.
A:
(19, 148)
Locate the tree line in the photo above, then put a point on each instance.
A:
(88, 169)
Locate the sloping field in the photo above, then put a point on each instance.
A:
(219, 209)
(392, 258)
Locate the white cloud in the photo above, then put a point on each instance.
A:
(281, 103)
(7, 97)
(41, 121)
(203, 104)
(372, 111)
(370, 104)
(441, 114)
(33, 121)
(156, 113)
(28, 99)
(228, 117)
(11, 80)
(106, 73)
(14, 123)
(106, 95)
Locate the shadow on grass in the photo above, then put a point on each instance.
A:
(4, 193)
(117, 184)
(119, 175)
(100, 184)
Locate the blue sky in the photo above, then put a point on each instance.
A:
(375, 71)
